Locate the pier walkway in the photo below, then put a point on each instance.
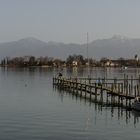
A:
(115, 91)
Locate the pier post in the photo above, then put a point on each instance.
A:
(124, 83)
(85, 90)
(95, 91)
(81, 89)
(90, 91)
(115, 91)
(119, 100)
(135, 89)
(53, 80)
(131, 85)
(101, 98)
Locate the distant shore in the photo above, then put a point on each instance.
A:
(71, 61)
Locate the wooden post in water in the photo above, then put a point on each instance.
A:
(131, 84)
(53, 80)
(90, 91)
(81, 89)
(101, 98)
(115, 83)
(124, 83)
(107, 98)
(139, 79)
(89, 80)
(122, 88)
(112, 87)
(135, 90)
(127, 87)
(73, 86)
(95, 91)
(119, 100)
(85, 90)
(126, 102)
(63, 82)
(137, 87)
(76, 88)
(111, 99)
(58, 82)
(70, 85)
(129, 90)
(119, 85)
(115, 92)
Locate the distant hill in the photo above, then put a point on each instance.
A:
(114, 47)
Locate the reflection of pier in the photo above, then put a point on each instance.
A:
(110, 91)
(124, 116)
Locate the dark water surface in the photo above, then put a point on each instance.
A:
(31, 109)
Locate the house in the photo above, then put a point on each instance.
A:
(74, 63)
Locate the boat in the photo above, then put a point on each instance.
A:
(136, 104)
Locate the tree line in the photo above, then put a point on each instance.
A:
(71, 60)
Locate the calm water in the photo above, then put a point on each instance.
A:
(31, 109)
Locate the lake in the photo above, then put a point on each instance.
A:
(32, 109)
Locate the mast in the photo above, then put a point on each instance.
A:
(87, 50)
(88, 57)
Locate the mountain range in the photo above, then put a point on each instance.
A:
(114, 47)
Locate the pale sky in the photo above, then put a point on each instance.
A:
(68, 21)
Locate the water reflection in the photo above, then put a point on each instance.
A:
(118, 113)
(95, 72)
(115, 112)
(136, 115)
(38, 112)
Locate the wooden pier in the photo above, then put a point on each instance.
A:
(118, 92)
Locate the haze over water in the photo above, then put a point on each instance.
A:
(32, 109)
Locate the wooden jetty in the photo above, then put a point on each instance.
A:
(113, 91)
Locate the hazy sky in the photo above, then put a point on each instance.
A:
(68, 20)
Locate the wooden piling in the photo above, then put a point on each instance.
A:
(95, 91)
(117, 88)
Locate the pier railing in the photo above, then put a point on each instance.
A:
(115, 91)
